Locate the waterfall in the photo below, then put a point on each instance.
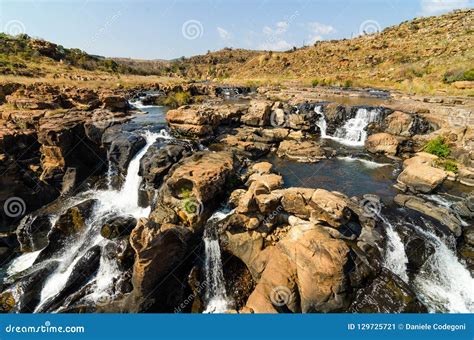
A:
(110, 173)
(395, 257)
(216, 295)
(110, 203)
(444, 283)
(321, 123)
(353, 132)
(447, 203)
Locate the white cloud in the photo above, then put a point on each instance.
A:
(433, 7)
(223, 34)
(318, 30)
(277, 45)
(280, 28)
(274, 37)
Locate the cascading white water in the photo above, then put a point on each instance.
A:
(444, 283)
(22, 263)
(353, 132)
(395, 256)
(216, 295)
(110, 203)
(365, 162)
(447, 203)
(321, 123)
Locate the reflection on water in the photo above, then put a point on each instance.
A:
(350, 177)
(153, 115)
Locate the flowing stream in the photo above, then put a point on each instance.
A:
(216, 295)
(354, 131)
(444, 284)
(110, 203)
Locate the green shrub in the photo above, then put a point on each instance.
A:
(469, 75)
(348, 83)
(314, 82)
(438, 147)
(177, 99)
(458, 75)
(450, 165)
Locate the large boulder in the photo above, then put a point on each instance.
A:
(301, 151)
(382, 143)
(330, 208)
(201, 120)
(303, 273)
(195, 182)
(159, 251)
(422, 178)
(420, 158)
(123, 148)
(258, 113)
(399, 123)
(114, 102)
(157, 161)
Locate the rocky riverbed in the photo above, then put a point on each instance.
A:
(263, 200)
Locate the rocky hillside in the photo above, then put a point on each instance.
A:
(425, 55)
(24, 56)
(422, 54)
(220, 64)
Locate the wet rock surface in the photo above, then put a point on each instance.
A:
(284, 248)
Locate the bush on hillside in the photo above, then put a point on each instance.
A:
(438, 147)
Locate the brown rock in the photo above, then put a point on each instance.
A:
(258, 113)
(399, 123)
(382, 143)
(329, 207)
(422, 178)
(300, 276)
(300, 151)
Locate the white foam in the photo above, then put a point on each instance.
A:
(444, 283)
(367, 163)
(22, 262)
(216, 295)
(353, 132)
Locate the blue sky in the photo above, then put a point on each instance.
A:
(175, 28)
